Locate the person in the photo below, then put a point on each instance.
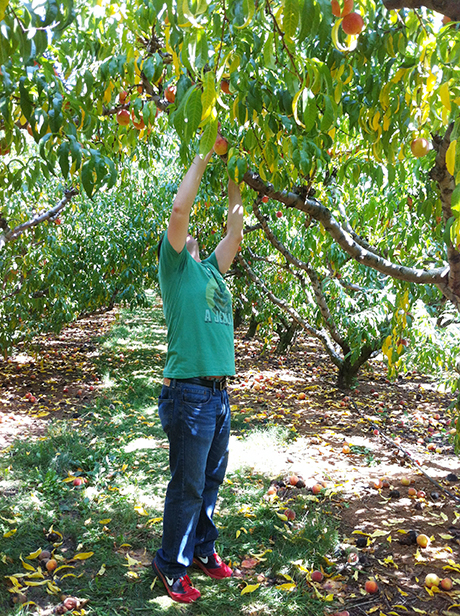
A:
(193, 405)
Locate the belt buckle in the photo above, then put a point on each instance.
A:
(221, 385)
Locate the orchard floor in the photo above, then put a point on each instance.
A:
(348, 442)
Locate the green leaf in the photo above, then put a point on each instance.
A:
(3, 5)
(247, 14)
(63, 156)
(87, 177)
(209, 95)
(290, 18)
(208, 138)
(328, 116)
(455, 202)
(310, 114)
(26, 105)
(75, 150)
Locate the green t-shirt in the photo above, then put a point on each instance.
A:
(198, 310)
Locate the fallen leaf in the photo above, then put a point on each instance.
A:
(249, 588)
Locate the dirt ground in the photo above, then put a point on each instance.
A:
(366, 450)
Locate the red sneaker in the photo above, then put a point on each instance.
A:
(179, 589)
(213, 566)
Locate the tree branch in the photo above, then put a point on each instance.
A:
(319, 212)
(320, 334)
(13, 234)
(446, 184)
(450, 8)
(311, 273)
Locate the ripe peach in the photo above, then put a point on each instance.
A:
(352, 23)
(290, 514)
(293, 480)
(123, 117)
(122, 97)
(265, 199)
(335, 7)
(421, 494)
(423, 540)
(446, 584)
(51, 564)
(432, 580)
(301, 396)
(371, 587)
(170, 94)
(225, 86)
(405, 481)
(317, 576)
(271, 490)
(220, 146)
(347, 8)
(346, 449)
(137, 122)
(412, 491)
(420, 147)
(316, 489)
(78, 481)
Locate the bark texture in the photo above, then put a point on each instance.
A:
(450, 8)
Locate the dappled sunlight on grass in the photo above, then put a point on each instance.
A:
(143, 443)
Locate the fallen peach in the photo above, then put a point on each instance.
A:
(446, 584)
(423, 540)
(432, 580)
(51, 564)
(371, 587)
(316, 489)
(317, 576)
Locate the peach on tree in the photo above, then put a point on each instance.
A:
(123, 118)
(352, 23)
(420, 147)
(220, 145)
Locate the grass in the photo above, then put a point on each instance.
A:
(117, 445)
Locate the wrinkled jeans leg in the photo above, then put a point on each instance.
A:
(206, 532)
(196, 425)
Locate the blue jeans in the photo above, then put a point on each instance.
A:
(196, 420)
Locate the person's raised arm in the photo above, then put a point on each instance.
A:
(227, 248)
(180, 214)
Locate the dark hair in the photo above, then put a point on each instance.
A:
(159, 245)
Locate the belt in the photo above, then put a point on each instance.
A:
(219, 384)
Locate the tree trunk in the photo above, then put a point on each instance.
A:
(238, 317)
(287, 335)
(252, 329)
(348, 371)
